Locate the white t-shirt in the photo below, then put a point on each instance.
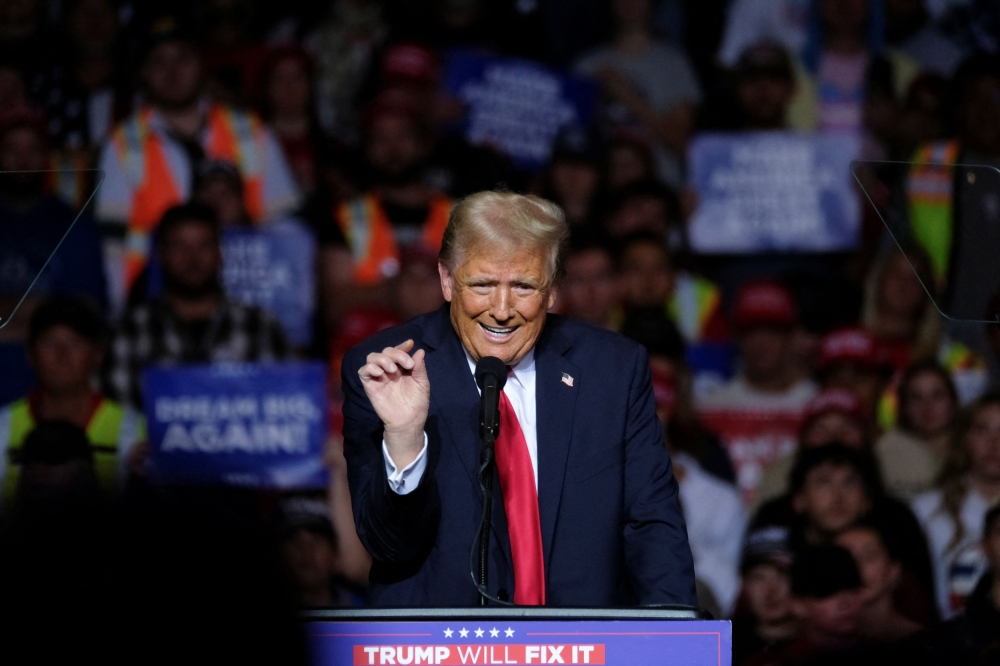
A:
(716, 522)
(957, 569)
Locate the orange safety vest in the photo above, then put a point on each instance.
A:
(372, 240)
(231, 136)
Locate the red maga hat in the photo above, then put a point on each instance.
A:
(850, 345)
(764, 304)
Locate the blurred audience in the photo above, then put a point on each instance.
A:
(575, 175)
(152, 157)
(193, 321)
(647, 85)
(362, 246)
(850, 359)
(952, 514)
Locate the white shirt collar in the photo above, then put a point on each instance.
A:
(521, 370)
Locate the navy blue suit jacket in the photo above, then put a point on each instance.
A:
(612, 529)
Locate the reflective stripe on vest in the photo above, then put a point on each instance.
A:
(372, 240)
(231, 136)
(109, 426)
(930, 189)
(692, 305)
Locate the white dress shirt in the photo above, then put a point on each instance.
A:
(519, 389)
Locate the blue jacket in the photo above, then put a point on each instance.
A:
(612, 529)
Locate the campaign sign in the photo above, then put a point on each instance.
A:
(255, 425)
(273, 267)
(773, 192)
(613, 643)
(517, 106)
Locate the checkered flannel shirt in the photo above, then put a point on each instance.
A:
(150, 334)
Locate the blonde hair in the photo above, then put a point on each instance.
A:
(507, 221)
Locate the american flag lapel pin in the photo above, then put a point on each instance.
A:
(567, 379)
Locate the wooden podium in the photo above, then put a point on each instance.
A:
(517, 635)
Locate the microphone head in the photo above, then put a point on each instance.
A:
(491, 366)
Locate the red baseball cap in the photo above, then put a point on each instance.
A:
(832, 401)
(22, 115)
(763, 304)
(850, 345)
(410, 61)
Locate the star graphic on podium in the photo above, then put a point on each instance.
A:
(509, 632)
(494, 633)
(479, 633)
(448, 632)
(463, 632)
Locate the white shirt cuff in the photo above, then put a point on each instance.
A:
(405, 481)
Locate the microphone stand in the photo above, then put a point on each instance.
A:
(486, 483)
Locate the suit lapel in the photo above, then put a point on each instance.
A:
(555, 404)
(455, 401)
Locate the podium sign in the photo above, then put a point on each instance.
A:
(478, 639)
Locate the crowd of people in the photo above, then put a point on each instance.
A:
(836, 441)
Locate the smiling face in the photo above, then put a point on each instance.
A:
(498, 302)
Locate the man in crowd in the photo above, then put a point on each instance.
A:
(309, 547)
(66, 339)
(151, 159)
(757, 414)
(765, 85)
(765, 622)
(826, 599)
(589, 289)
(881, 620)
(850, 359)
(651, 281)
(954, 216)
(361, 250)
(192, 321)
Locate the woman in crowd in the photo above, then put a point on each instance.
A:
(952, 514)
(907, 326)
(911, 454)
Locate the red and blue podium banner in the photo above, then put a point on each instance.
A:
(499, 641)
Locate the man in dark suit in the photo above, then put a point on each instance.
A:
(587, 511)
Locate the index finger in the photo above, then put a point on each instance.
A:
(405, 346)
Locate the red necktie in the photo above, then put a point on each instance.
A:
(520, 502)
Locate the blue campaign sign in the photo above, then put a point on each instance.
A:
(517, 106)
(482, 641)
(256, 425)
(773, 192)
(273, 267)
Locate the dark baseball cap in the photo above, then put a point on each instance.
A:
(767, 545)
(765, 60)
(822, 571)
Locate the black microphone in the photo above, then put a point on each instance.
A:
(491, 375)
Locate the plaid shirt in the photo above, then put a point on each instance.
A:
(151, 335)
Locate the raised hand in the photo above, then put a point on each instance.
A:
(399, 390)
